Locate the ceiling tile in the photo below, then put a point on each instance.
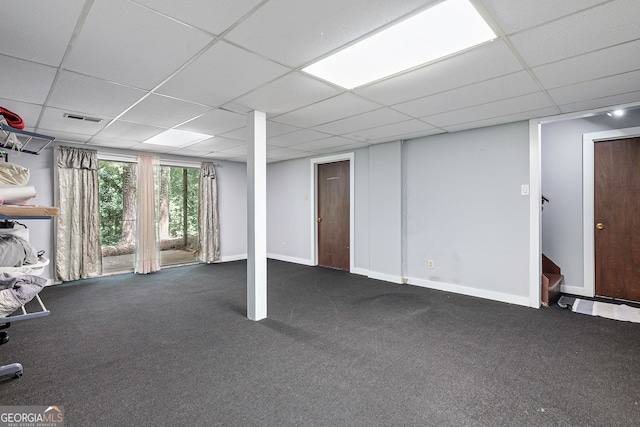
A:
(50, 23)
(25, 81)
(606, 25)
(273, 129)
(277, 129)
(405, 136)
(287, 93)
(295, 32)
(601, 63)
(29, 113)
(238, 150)
(599, 88)
(163, 111)
(294, 138)
(520, 104)
(53, 119)
(143, 50)
(485, 62)
(336, 108)
(375, 118)
(162, 149)
(323, 145)
(286, 154)
(107, 142)
(215, 122)
(223, 72)
(69, 137)
(120, 129)
(509, 118)
(607, 101)
(519, 83)
(92, 96)
(396, 130)
(517, 15)
(214, 17)
(217, 144)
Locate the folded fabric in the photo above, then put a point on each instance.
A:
(17, 291)
(13, 174)
(16, 251)
(17, 195)
(13, 120)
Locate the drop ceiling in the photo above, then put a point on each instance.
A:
(144, 66)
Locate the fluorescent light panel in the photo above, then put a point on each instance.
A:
(443, 29)
(177, 138)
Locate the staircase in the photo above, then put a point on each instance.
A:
(551, 279)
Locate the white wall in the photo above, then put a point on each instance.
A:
(465, 212)
(289, 207)
(562, 217)
(384, 211)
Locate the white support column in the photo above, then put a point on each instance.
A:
(256, 215)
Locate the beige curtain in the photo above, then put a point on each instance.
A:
(78, 253)
(147, 256)
(208, 225)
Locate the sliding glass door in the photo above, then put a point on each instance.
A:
(177, 220)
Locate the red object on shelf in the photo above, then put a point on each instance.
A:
(13, 120)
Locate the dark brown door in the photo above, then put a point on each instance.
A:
(617, 218)
(333, 215)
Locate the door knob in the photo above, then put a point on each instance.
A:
(319, 219)
(600, 226)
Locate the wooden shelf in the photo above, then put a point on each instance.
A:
(28, 212)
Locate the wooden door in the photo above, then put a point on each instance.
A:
(617, 218)
(333, 215)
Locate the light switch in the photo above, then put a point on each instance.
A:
(524, 189)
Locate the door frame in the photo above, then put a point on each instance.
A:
(313, 225)
(588, 198)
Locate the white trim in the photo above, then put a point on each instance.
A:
(535, 226)
(286, 258)
(360, 271)
(535, 146)
(588, 199)
(180, 163)
(473, 292)
(385, 277)
(314, 211)
(117, 157)
(575, 290)
(230, 258)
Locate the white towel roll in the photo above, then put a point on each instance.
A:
(17, 195)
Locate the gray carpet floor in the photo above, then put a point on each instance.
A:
(174, 348)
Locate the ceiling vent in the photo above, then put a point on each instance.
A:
(84, 118)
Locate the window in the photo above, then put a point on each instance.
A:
(177, 215)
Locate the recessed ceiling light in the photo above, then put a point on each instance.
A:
(446, 28)
(177, 138)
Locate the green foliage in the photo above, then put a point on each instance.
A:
(176, 201)
(110, 184)
(111, 188)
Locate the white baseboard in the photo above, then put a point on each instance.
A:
(386, 277)
(291, 259)
(230, 258)
(574, 290)
(360, 271)
(473, 292)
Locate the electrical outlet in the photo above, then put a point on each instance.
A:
(430, 263)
